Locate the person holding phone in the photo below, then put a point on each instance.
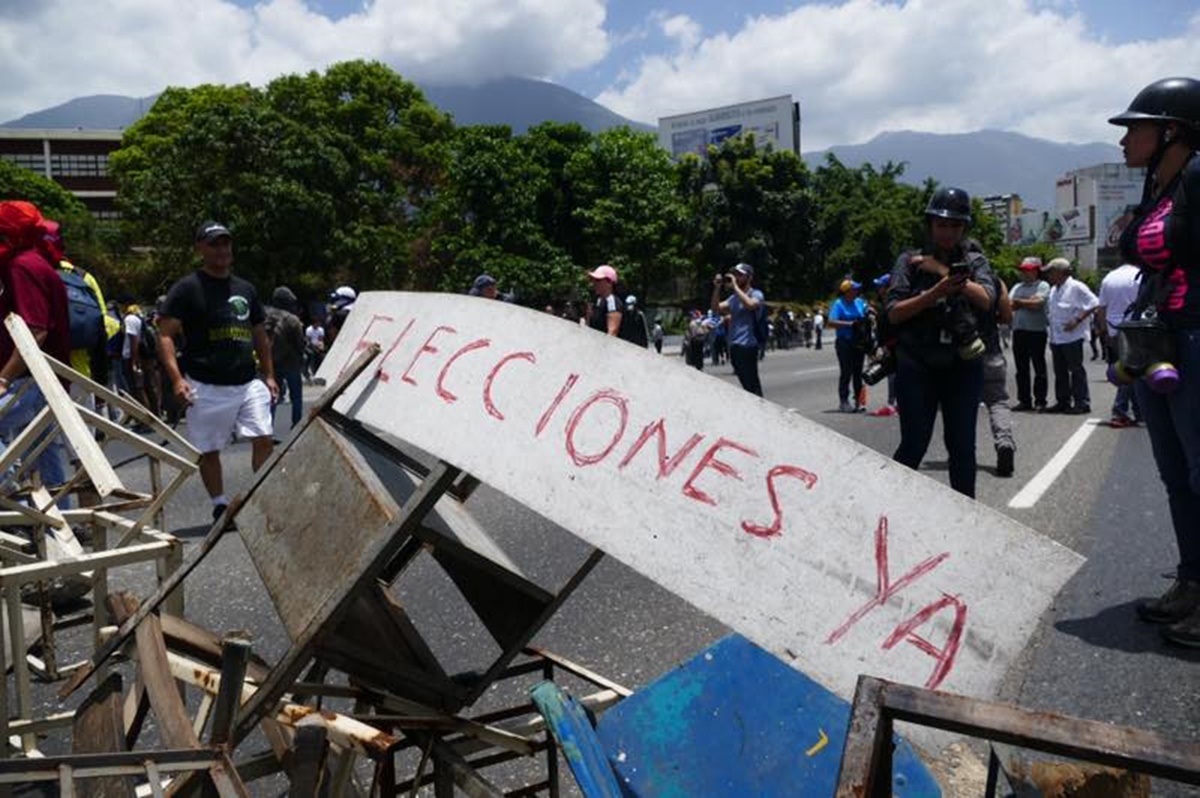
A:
(935, 301)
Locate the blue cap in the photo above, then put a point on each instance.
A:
(882, 281)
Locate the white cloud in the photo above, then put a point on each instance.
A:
(51, 52)
(865, 66)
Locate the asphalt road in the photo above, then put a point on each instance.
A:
(1090, 657)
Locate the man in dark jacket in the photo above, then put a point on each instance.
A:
(286, 332)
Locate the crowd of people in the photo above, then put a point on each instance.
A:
(211, 351)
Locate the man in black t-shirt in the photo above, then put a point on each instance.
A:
(217, 380)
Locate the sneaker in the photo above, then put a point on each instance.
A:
(1022, 407)
(1185, 632)
(1079, 410)
(845, 407)
(1181, 600)
(1004, 461)
(1057, 408)
(1040, 408)
(218, 510)
(1121, 422)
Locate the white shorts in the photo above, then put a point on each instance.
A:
(219, 410)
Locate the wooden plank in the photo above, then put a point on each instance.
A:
(827, 553)
(128, 405)
(66, 413)
(154, 671)
(98, 728)
(18, 447)
(24, 574)
(364, 358)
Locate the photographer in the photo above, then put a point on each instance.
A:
(743, 307)
(935, 300)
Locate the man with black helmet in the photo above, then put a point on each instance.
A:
(935, 299)
(1162, 134)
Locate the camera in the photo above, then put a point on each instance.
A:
(880, 368)
(959, 269)
(963, 327)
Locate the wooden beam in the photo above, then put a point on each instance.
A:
(66, 413)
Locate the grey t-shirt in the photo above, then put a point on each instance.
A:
(1024, 318)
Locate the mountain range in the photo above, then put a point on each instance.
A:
(984, 162)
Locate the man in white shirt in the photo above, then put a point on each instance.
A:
(315, 351)
(1118, 291)
(1070, 305)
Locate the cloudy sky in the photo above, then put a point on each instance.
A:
(1049, 68)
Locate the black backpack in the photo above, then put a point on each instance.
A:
(83, 309)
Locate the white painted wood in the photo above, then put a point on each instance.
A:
(760, 517)
(104, 478)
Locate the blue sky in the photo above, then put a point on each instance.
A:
(1051, 68)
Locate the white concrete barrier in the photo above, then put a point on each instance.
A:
(819, 549)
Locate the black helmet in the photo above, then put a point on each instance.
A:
(1166, 100)
(950, 203)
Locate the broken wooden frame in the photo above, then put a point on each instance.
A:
(867, 758)
(330, 589)
(116, 540)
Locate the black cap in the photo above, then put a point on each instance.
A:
(211, 231)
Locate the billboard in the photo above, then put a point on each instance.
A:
(1061, 226)
(774, 121)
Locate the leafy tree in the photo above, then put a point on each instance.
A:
(487, 219)
(324, 178)
(865, 217)
(751, 205)
(629, 212)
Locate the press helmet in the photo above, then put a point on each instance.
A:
(950, 203)
(1166, 100)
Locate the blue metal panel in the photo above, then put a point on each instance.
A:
(735, 721)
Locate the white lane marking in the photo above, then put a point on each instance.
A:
(816, 371)
(1043, 479)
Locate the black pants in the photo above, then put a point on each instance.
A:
(1070, 377)
(1029, 348)
(744, 360)
(956, 390)
(850, 368)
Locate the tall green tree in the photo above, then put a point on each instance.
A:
(323, 177)
(865, 217)
(630, 214)
(752, 205)
(487, 219)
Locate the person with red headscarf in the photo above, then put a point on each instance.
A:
(30, 288)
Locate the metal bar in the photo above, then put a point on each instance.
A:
(485, 682)
(218, 529)
(235, 653)
(308, 761)
(411, 514)
(576, 669)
